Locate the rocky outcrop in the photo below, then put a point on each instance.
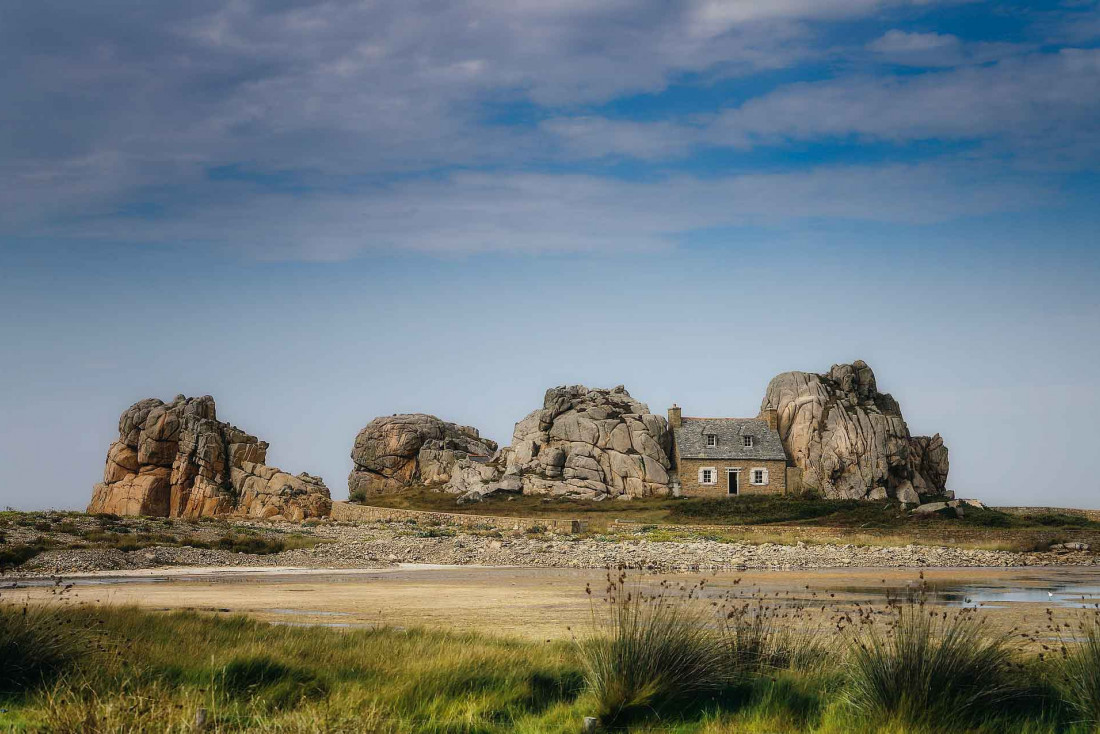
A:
(590, 443)
(399, 451)
(851, 441)
(178, 460)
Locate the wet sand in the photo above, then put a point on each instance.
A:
(543, 603)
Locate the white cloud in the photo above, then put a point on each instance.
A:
(111, 116)
(895, 41)
(538, 213)
(1038, 111)
(940, 49)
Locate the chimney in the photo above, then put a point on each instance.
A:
(771, 415)
(674, 416)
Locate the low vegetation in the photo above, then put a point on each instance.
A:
(922, 666)
(649, 654)
(659, 657)
(804, 510)
(30, 534)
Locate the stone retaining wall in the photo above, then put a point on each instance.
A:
(936, 536)
(349, 512)
(1087, 514)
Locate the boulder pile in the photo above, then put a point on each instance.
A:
(586, 443)
(849, 440)
(399, 451)
(178, 460)
(591, 443)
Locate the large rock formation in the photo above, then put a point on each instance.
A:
(590, 443)
(410, 449)
(850, 440)
(178, 460)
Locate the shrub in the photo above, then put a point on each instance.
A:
(36, 644)
(649, 652)
(1078, 671)
(249, 544)
(16, 554)
(925, 666)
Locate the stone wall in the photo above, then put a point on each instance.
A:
(1087, 514)
(689, 477)
(349, 512)
(947, 536)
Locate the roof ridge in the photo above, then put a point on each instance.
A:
(721, 418)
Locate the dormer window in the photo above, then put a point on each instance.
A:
(746, 441)
(712, 440)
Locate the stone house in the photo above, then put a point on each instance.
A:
(723, 457)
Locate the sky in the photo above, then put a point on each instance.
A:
(324, 211)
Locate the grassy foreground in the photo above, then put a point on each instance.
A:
(650, 664)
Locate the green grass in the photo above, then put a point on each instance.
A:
(745, 510)
(922, 667)
(648, 654)
(252, 676)
(37, 643)
(13, 555)
(1077, 670)
(123, 669)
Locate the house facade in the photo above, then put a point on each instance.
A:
(726, 457)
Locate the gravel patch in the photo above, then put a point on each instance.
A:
(380, 545)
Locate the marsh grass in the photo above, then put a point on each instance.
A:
(662, 657)
(1076, 668)
(648, 651)
(37, 644)
(927, 667)
(253, 676)
(758, 636)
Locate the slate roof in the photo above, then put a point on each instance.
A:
(691, 439)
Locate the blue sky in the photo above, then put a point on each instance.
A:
(320, 212)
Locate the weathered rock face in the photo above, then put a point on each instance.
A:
(850, 440)
(591, 443)
(179, 460)
(410, 449)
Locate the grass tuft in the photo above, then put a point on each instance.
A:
(922, 667)
(37, 643)
(1077, 671)
(650, 653)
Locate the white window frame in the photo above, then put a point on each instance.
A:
(763, 476)
(712, 440)
(713, 475)
(747, 441)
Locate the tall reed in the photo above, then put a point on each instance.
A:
(1077, 670)
(650, 651)
(928, 667)
(37, 643)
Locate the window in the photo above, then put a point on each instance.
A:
(712, 440)
(747, 441)
(708, 476)
(760, 476)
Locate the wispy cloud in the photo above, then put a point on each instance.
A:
(465, 127)
(537, 213)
